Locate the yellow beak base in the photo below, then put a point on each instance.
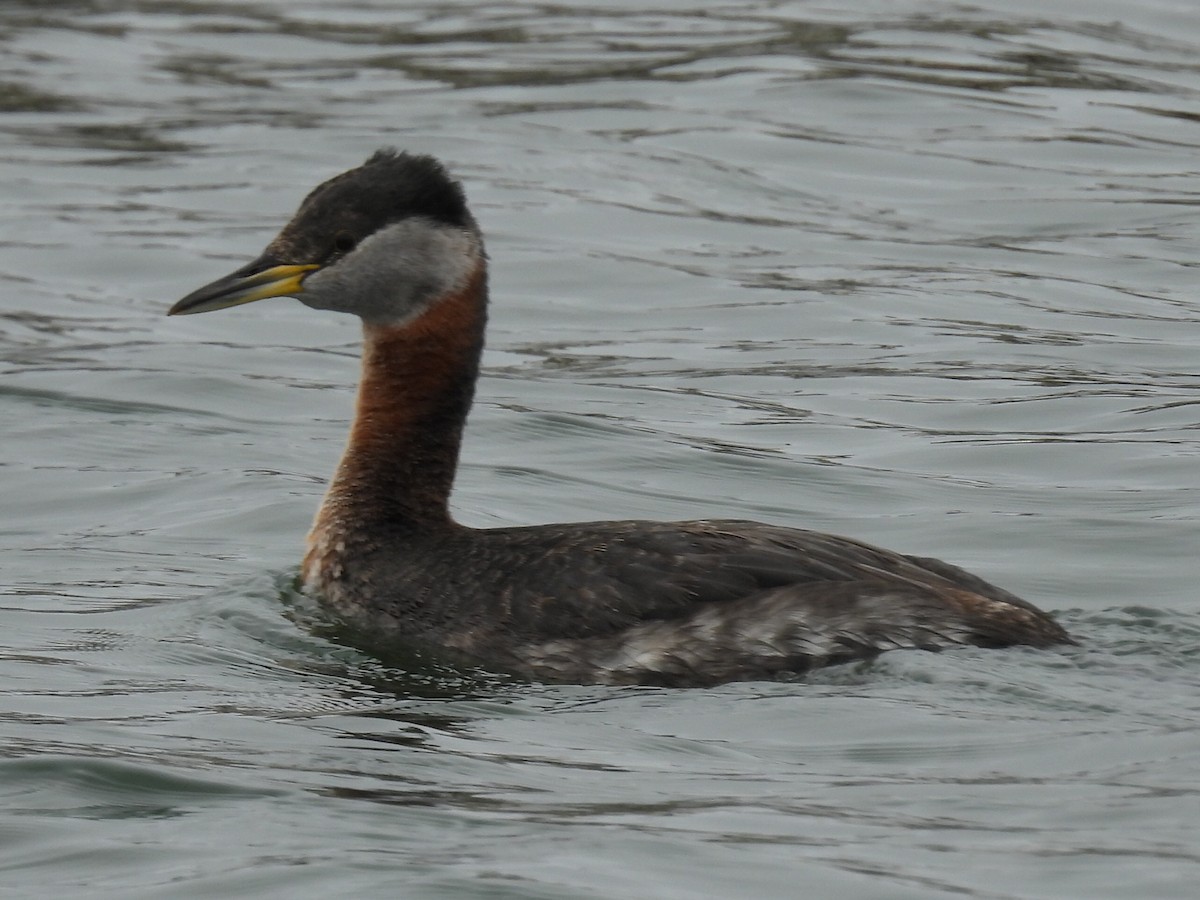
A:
(244, 286)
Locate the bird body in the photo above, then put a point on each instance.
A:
(680, 603)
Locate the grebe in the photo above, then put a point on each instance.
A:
(668, 603)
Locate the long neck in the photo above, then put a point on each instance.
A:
(417, 383)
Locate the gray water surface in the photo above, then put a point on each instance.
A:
(917, 272)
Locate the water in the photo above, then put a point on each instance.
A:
(917, 272)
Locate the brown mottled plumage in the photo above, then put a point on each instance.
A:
(682, 603)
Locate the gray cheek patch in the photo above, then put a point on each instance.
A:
(396, 273)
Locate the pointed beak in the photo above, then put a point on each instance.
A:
(261, 279)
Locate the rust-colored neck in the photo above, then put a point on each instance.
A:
(418, 380)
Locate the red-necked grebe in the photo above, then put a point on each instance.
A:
(681, 603)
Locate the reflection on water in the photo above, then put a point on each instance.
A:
(915, 273)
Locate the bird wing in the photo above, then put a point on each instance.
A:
(597, 578)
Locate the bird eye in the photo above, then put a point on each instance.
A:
(344, 242)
